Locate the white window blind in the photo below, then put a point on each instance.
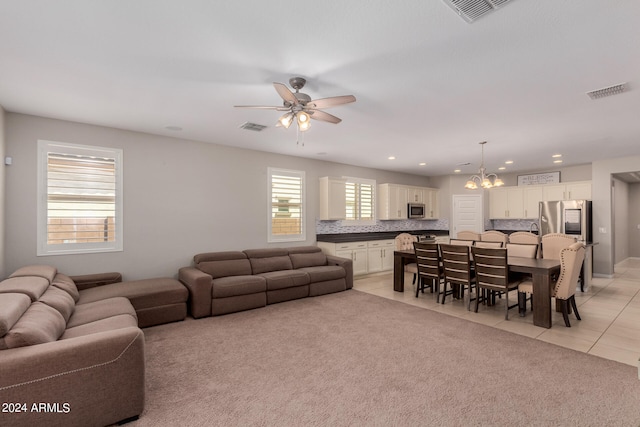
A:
(360, 196)
(286, 205)
(79, 199)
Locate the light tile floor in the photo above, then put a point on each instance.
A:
(609, 308)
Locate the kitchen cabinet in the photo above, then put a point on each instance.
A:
(532, 195)
(567, 191)
(506, 202)
(380, 255)
(392, 201)
(431, 207)
(355, 251)
(333, 204)
(415, 195)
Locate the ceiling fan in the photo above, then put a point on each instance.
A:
(300, 107)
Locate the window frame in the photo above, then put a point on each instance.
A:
(359, 221)
(302, 236)
(43, 247)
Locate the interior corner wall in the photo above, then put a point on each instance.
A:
(181, 197)
(3, 168)
(633, 226)
(620, 220)
(603, 262)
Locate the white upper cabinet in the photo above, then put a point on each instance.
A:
(333, 204)
(393, 200)
(532, 195)
(506, 202)
(568, 191)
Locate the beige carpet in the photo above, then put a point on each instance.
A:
(356, 359)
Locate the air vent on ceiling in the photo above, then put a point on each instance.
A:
(252, 126)
(470, 10)
(607, 91)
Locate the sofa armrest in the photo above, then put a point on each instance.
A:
(345, 263)
(87, 281)
(94, 379)
(200, 288)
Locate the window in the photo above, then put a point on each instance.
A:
(79, 199)
(286, 205)
(360, 194)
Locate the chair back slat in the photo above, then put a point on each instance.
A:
(456, 260)
(428, 260)
(491, 266)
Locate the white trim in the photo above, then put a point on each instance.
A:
(45, 249)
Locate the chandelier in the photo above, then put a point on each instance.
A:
(484, 179)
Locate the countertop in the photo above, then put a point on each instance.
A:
(382, 235)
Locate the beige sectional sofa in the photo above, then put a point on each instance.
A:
(75, 357)
(231, 281)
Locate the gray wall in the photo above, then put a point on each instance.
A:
(603, 261)
(180, 197)
(620, 220)
(2, 191)
(634, 221)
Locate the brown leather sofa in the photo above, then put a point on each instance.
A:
(231, 281)
(75, 357)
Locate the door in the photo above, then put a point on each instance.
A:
(467, 214)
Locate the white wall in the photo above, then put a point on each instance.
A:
(180, 197)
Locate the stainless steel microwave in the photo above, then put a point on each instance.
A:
(415, 210)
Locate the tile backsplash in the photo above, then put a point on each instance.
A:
(338, 227)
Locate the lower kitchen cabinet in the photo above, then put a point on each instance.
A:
(367, 256)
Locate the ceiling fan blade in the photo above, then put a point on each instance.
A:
(331, 102)
(264, 107)
(324, 117)
(285, 93)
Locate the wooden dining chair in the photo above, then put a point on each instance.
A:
(571, 259)
(456, 261)
(492, 276)
(430, 273)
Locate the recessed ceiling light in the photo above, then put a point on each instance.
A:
(501, 168)
(457, 171)
(176, 128)
(557, 161)
(508, 162)
(392, 157)
(555, 156)
(422, 164)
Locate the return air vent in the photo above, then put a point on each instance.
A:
(607, 91)
(470, 10)
(252, 126)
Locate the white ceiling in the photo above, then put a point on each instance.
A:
(429, 86)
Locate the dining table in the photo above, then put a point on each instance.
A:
(541, 270)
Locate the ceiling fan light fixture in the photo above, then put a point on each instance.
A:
(286, 120)
(304, 121)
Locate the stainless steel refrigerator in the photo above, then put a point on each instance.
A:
(568, 217)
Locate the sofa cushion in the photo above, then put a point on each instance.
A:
(12, 306)
(324, 273)
(45, 271)
(284, 279)
(266, 260)
(98, 310)
(102, 325)
(60, 300)
(31, 286)
(142, 293)
(232, 286)
(64, 282)
(38, 325)
(223, 264)
(307, 256)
